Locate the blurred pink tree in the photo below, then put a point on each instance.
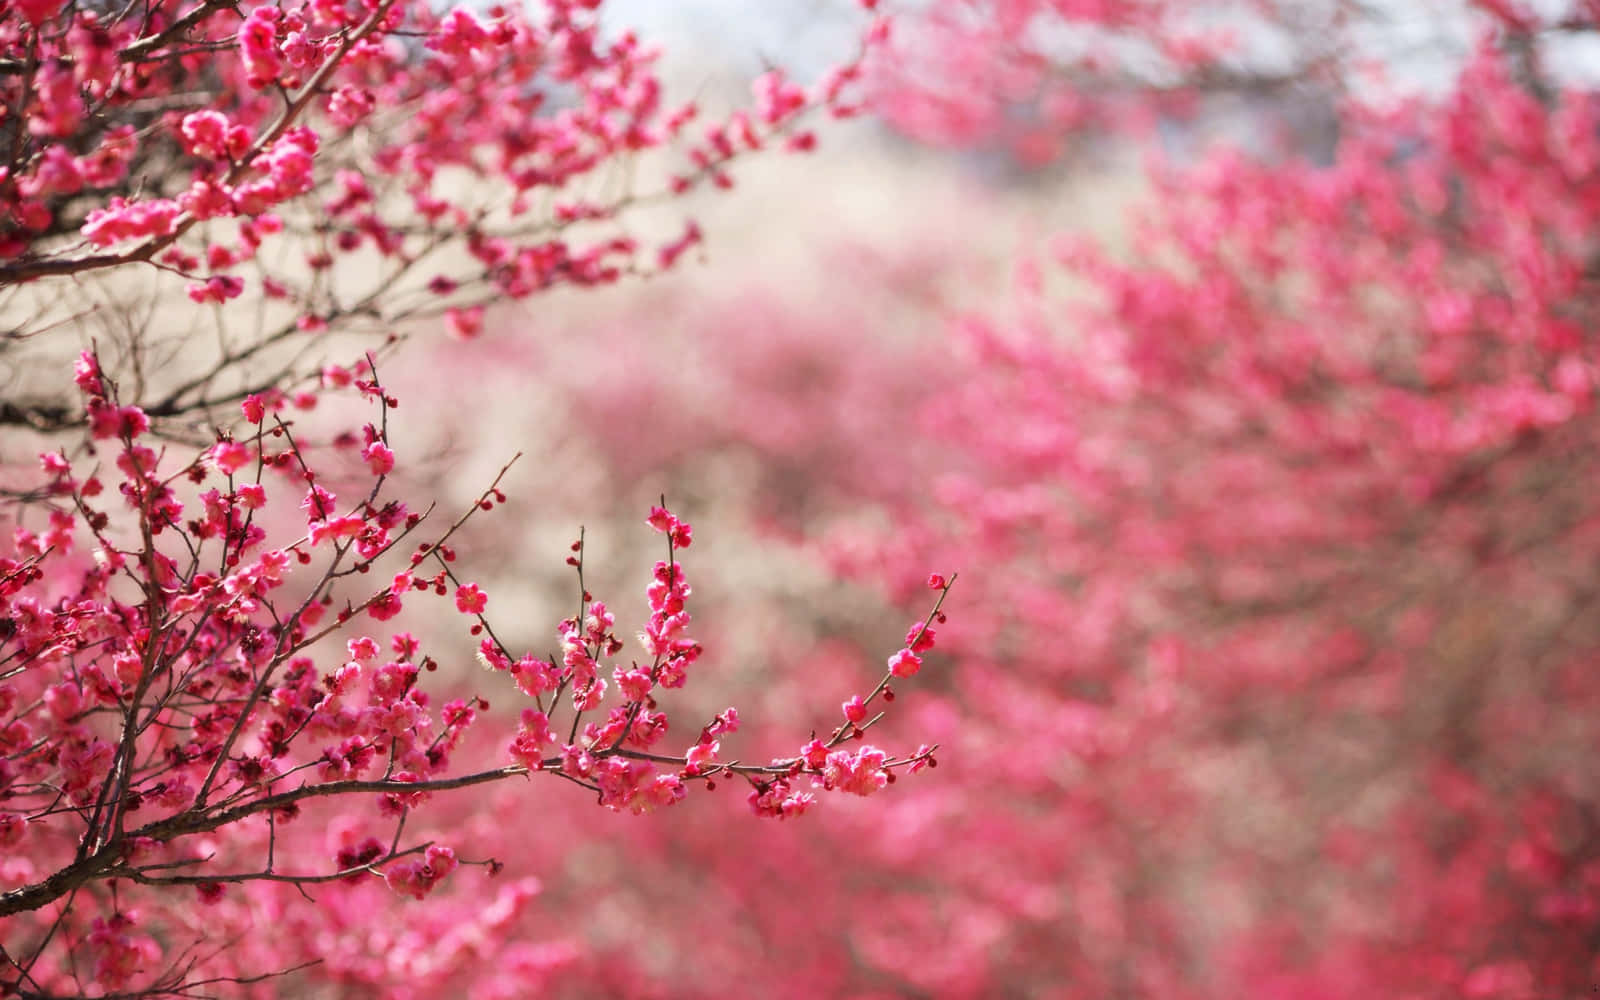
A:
(1277, 676)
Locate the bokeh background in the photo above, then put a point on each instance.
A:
(1271, 668)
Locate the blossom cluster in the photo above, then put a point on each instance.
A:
(247, 151)
(174, 695)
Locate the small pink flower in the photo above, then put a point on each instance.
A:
(725, 722)
(106, 422)
(679, 532)
(905, 663)
(383, 608)
(258, 46)
(134, 421)
(379, 459)
(318, 503)
(919, 638)
(216, 290)
(205, 134)
(459, 33)
(533, 736)
(701, 756)
(470, 599)
(815, 754)
(860, 773)
(86, 373)
(337, 529)
(634, 684)
(350, 104)
(854, 709)
(464, 324)
(229, 457)
(661, 519)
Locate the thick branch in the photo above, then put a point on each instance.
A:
(105, 862)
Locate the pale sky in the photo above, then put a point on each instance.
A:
(734, 39)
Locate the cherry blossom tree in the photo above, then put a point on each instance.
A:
(221, 750)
